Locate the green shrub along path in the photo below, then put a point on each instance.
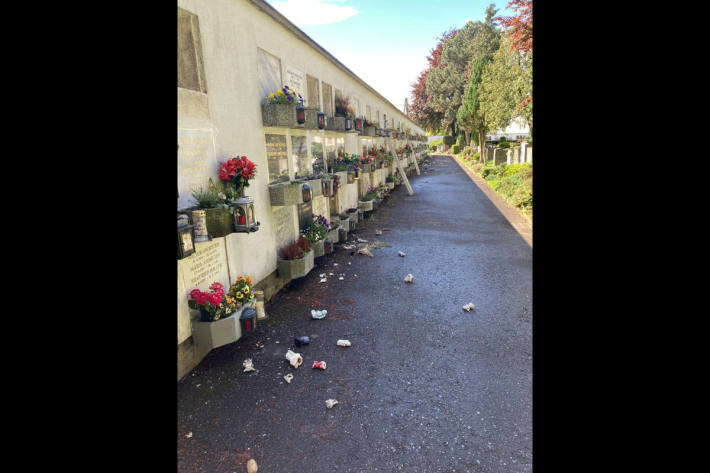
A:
(511, 182)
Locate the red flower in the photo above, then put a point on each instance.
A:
(216, 285)
(214, 299)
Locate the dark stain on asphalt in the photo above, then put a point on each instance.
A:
(425, 387)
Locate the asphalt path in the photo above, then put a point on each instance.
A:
(425, 387)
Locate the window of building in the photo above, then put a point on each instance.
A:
(191, 70)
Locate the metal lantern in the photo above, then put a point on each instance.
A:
(321, 120)
(199, 221)
(259, 297)
(300, 114)
(358, 124)
(327, 245)
(327, 183)
(248, 320)
(244, 219)
(306, 191)
(185, 237)
(348, 123)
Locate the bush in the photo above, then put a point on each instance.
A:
(477, 155)
(503, 139)
(504, 144)
(461, 140)
(456, 149)
(435, 143)
(449, 140)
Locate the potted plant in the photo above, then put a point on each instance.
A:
(366, 203)
(280, 108)
(296, 260)
(219, 317)
(334, 233)
(217, 211)
(316, 233)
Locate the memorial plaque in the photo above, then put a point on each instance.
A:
(285, 229)
(321, 206)
(295, 80)
(299, 156)
(305, 214)
(207, 265)
(269, 73)
(277, 158)
(196, 163)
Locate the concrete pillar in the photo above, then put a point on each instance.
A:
(523, 152)
(508, 156)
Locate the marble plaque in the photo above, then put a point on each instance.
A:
(295, 80)
(196, 163)
(207, 265)
(285, 225)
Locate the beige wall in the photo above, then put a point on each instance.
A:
(231, 31)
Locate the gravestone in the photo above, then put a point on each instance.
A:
(196, 163)
(207, 265)
(285, 225)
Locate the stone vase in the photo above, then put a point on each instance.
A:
(219, 222)
(296, 268)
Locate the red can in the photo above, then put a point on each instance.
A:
(319, 364)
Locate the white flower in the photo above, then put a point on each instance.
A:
(222, 196)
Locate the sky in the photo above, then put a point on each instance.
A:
(384, 42)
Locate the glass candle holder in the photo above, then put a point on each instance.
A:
(259, 305)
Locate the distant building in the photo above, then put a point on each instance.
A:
(516, 130)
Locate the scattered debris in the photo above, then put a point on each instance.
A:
(277, 341)
(248, 366)
(335, 264)
(323, 280)
(401, 254)
(409, 278)
(329, 403)
(322, 275)
(341, 278)
(360, 240)
(344, 343)
(366, 251)
(302, 341)
(349, 247)
(294, 358)
(378, 244)
(378, 232)
(252, 466)
(330, 274)
(318, 314)
(319, 364)
(188, 435)
(469, 307)
(288, 378)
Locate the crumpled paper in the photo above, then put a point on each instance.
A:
(288, 378)
(248, 366)
(318, 314)
(329, 403)
(469, 307)
(409, 278)
(344, 343)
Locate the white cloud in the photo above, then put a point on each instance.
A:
(314, 12)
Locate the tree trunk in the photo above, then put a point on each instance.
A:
(481, 144)
(468, 138)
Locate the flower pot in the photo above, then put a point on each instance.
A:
(390, 185)
(218, 333)
(286, 194)
(334, 235)
(219, 222)
(352, 215)
(296, 268)
(311, 120)
(345, 223)
(365, 206)
(318, 248)
(277, 114)
(338, 123)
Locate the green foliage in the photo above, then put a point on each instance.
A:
(206, 198)
(477, 155)
(449, 140)
(435, 143)
(504, 144)
(369, 196)
(456, 149)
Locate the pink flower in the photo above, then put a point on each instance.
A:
(214, 299)
(195, 293)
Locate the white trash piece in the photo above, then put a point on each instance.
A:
(409, 278)
(366, 251)
(294, 358)
(330, 403)
(248, 366)
(252, 466)
(401, 254)
(469, 307)
(318, 314)
(288, 378)
(344, 343)
(323, 280)
(378, 232)
(360, 240)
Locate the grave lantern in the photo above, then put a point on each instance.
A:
(321, 120)
(327, 186)
(199, 221)
(348, 123)
(327, 245)
(186, 237)
(358, 124)
(300, 114)
(306, 191)
(244, 219)
(248, 320)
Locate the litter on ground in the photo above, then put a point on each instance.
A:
(344, 343)
(366, 251)
(252, 466)
(294, 358)
(248, 366)
(329, 403)
(319, 364)
(318, 314)
(409, 278)
(469, 307)
(288, 378)
(401, 254)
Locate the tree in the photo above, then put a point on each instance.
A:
(445, 86)
(505, 84)
(470, 116)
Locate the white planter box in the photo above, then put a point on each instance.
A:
(296, 268)
(365, 206)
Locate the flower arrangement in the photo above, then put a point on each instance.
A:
(284, 96)
(242, 289)
(317, 230)
(296, 250)
(212, 305)
(238, 170)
